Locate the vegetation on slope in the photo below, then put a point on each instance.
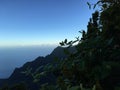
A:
(95, 64)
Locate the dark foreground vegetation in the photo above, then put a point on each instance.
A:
(94, 65)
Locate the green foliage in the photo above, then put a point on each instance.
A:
(20, 86)
(97, 54)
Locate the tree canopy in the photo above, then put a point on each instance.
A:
(95, 65)
(96, 62)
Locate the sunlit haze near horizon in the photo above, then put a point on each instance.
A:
(15, 57)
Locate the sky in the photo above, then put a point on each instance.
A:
(32, 28)
(41, 22)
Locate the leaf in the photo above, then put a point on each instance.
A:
(80, 31)
(96, 4)
(70, 42)
(65, 41)
(62, 43)
(89, 5)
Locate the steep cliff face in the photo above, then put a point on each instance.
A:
(18, 77)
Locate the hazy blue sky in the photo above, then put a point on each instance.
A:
(36, 22)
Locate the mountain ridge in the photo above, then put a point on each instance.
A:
(17, 76)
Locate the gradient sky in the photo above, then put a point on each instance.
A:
(36, 22)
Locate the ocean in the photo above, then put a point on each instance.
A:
(12, 57)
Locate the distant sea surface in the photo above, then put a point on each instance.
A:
(12, 57)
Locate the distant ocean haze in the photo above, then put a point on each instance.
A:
(12, 57)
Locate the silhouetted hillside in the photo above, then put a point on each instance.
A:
(40, 62)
